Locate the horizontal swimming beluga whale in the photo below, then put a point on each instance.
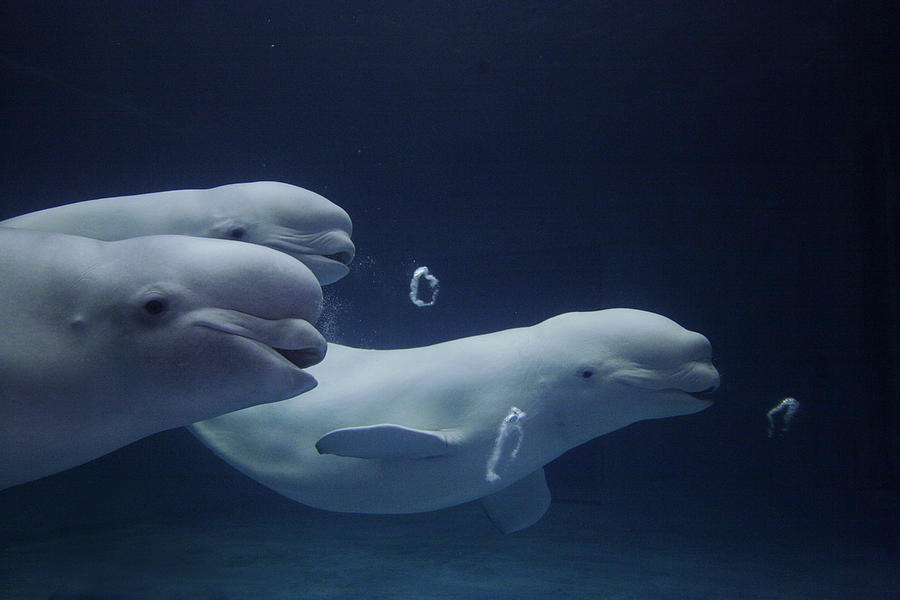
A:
(419, 429)
(103, 343)
(278, 215)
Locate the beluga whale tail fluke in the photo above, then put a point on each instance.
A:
(419, 429)
(103, 343)
(269, 213)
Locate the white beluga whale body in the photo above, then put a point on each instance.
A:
(278, 215)
(103, 343)
(401, 431)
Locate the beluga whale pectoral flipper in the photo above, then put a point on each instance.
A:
(384, 441)
(418, 429)
(103, 343)
(278, 215)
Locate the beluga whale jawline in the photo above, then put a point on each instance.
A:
(103, 343)
(402, 431)
(278, 215)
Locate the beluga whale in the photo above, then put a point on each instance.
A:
(269, 213)
(477, 418)
(103, 343)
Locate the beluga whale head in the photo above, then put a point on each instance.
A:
(285, 217)
(107, 342)
(193, 311)
(288, 218)
(606, 369)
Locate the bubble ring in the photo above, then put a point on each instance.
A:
(509, 437)
(433, 282)
(786, 410)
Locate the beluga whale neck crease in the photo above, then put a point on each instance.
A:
(278, 215)
(103, 343)
(402, 431)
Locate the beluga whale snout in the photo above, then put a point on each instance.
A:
(278, 215)
(418, 429)
(103, 343)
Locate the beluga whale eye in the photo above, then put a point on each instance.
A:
(586, 372)
(237, 233)
(155, 306)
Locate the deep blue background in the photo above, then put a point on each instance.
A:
(729, 165)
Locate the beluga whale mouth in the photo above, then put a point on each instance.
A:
(294, 340)
(706, 394)
(702, 381)
(345, 258)
(302, 357)
(328, 254)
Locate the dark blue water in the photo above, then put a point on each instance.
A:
(731, 166)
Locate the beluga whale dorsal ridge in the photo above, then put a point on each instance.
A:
(419, 429)
(103, 343)
(278, 215)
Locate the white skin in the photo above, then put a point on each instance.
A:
(571, 378)
(103, 343)
(278, 215)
